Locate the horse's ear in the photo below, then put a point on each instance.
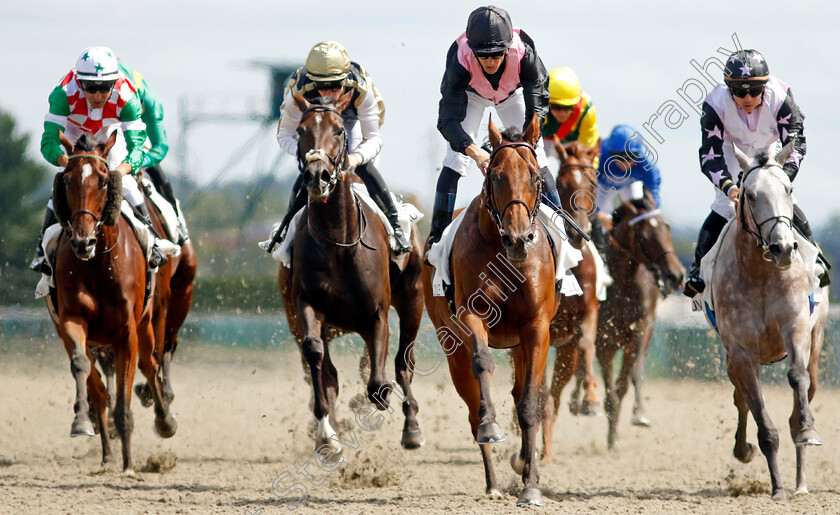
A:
(109, 144)
(743, 159)
(532, 131)
(344, 101)
(784, 153)
(59, 198)
(494, 133)
(561, 149)
(301, 102)
(113, 201)
(65, 142)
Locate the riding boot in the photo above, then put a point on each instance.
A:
(386, 204)
(549, 190)
(709, 233)
(156, 257)
(601, 239)
(800, 223)
(39, 263)
(296, 202)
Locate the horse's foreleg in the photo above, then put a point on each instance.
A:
(165, 422)
(637, 374)
(313, 348)
(591, 404)
(743, 450)
(817, 335)
(99, 398)
(74, 335)
(565, 365)
(379, 388)
(742, 367)
(799, 352)
(611, 401)
(329, 379)
(125, 357)
(483, 364)
(412, 436)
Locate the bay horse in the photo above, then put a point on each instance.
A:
(643, 265)
(575, 324)
(763, 313)
(342, 278)
(100, 277)
(504, 297)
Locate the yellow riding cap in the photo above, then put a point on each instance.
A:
(327, 61)
(564, 87)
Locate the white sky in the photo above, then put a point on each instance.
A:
(631, 58)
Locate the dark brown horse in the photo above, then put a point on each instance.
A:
(100, 278)
(574, 326)
(643, 265)
(342, 279)
(504, 297)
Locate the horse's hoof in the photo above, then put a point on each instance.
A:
(333, 453)
(640, 420)
(808, 437)
(802, 490)
(779, 495)
(144, 393)
(82, 428)
(128, 472)
(166, 427)
(530, 496)
(517, 463)
(747, 455)
(494, 493)
(591, 409)
(412, 440)
(490, 433)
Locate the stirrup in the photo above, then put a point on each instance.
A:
(37, 262)
(401, 243)
(157, 258)
(694, 285)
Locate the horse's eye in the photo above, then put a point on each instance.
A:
(300, 132)
(103, 183)
(338, 130)
(750, 196)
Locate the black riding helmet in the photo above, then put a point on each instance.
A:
(746, 66)
(489, 30)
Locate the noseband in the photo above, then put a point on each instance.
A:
(96, 218)
(338, 161)
(759, 239)
(491, 205)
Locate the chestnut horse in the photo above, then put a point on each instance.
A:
(574, 326)
(643, 266)
(760, 291)
(342, 279)
(100, 278)
(498, 247)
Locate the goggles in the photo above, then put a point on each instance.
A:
(96, 86)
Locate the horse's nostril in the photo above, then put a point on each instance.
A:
(507, 241)
(531, 236)
(91, 243)
(775, 249)
(795, 245)
(325, 176)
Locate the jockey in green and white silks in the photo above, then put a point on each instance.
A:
(330, 72)
(756, 111)
(96, 98)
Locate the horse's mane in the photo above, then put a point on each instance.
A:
(763, 158)
(645, 204)
(512, 134)
(324, 101)
(87, 142)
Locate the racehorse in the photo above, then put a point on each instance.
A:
(342, 279)
(763, 313)
(643, 265)
(100, 277)
(502, 271)
(576, 321)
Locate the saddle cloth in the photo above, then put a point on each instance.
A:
(407, 214)
(566, 256)
(806, 251)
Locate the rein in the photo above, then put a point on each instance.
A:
(491, 205)
(652, 263)
(360, 214)
(759, 239)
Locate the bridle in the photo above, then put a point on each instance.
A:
(338, 161)
(490, 203)
(96, 218)
(650, 262)
(759, 239)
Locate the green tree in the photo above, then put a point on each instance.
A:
(20, 177)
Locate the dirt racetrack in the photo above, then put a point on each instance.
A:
(243, 426)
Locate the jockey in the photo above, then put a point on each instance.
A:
(330, 72)
(571, 116)
(495, 64)
(158, 146)
(624, 171)
(754, 110)
(97, 98)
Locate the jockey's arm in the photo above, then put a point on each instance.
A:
(134, 131)
(534, 79)
(588, 136)
(452, 108)
(54, 122)
(368, 113)
(288, 124)
(712, 162)
(155, 131)
(790, 123)
(652, 179)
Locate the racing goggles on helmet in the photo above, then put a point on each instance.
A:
(96, 86)
(741, 89)
(491, 55)
(627, 157)
(333, 84)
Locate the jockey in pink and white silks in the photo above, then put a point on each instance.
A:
(755, 111)
(491, 64)
(96, 98)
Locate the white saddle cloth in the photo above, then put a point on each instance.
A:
(566, 256)
(407, 214)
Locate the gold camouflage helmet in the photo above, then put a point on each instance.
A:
(327, 61)
(563, 87)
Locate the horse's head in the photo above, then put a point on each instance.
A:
(322, 143)
(512, 187)
(576, 184)
(86, 194)
(643, 234)
(765, 204)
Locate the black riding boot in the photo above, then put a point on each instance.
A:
(549, 191)
(156, 259)
(801, 224)
(39, 263)
(296, 203)
(445, 193)
(386, 204)
(600, 238)
(709, 233)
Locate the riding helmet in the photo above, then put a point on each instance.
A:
(328, 61)
(97, 63)
(746, 66)
(489, 30)
(564, 87)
